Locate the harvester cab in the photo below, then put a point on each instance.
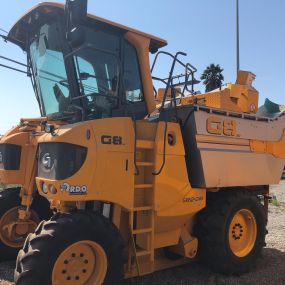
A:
(84, 67)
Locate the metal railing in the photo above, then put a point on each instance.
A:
(188, 75)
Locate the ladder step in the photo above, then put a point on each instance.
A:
(145, 163)
(142, 231)
(143, 208)
(143, 252)
(143, 186)
(145, 144)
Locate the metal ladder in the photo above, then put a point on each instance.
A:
(142, 215)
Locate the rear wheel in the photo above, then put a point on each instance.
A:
(12, 235)
(231, 231)
(78, 249)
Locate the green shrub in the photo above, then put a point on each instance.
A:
(274, 201)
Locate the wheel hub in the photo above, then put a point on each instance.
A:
(13, 231)
(242, 232)
(237, 231)
(82, 263)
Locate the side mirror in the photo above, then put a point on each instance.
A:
(75, 14)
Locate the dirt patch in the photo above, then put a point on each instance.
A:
(269, 269)
(276, 223)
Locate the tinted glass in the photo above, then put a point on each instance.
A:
(60, 160)
(97, 69)
(49, 69)
(132, 78)
(10, 156)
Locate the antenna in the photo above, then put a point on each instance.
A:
(237, 34)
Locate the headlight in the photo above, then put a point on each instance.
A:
(10, 156)
(58, 161)
(45, 188)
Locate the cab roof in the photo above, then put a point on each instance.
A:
(19, 30)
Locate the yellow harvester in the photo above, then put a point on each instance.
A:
(140, 180)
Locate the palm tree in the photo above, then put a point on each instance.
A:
(213, 77)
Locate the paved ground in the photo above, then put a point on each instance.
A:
(270, 269)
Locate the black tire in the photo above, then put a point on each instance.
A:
(10, 198)
(36, 260)
(212, 229)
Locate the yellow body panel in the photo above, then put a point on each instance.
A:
(102, 161)
(238, 97)
(173, 193)
(276, 148)
(28, 145)
(172, 187)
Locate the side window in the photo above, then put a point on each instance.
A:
(132, 78)
(87, 75)
(97, 76)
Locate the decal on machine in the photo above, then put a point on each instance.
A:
(116, 140)
(193, 199)
(217, 126)
(1, 157)
(73, 189)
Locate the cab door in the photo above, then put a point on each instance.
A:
(131, 88)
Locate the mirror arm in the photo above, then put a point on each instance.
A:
(75, 13)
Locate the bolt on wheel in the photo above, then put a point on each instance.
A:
(242, 232)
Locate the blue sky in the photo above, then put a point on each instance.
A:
(204, 29)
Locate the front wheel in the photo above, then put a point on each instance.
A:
(80, 249)
(231, 231)
(12, 232)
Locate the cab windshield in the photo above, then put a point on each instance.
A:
(49, 70)
(97, 72)
(96, 79)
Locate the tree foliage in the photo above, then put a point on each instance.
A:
(212, 77)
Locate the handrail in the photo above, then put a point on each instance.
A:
(173, 56)
(164, 152)
(170, 77)
(189, 71)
